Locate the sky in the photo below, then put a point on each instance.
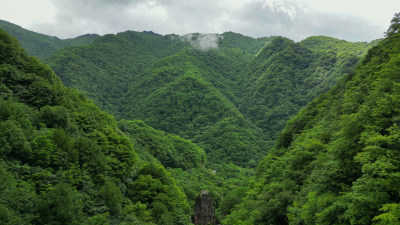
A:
(352, 20)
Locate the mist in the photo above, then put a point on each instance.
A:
(203, 42)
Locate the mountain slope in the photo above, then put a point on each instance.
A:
(285, 76)
(169, 150)
(244, 43)
(179, 97)
(64, 161)
(337, 161)
(41, 45)
(192, 92)
(337, 45)
(106, 69)
(170, 85)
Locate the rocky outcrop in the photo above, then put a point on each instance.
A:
(204, 211)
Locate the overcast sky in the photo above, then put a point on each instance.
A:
(353, 20)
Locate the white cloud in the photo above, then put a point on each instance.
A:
(297, 21)
(203, 42)
(281, 6)
(378, 12)
(355, 20)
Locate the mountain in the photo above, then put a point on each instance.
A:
(285, 76)
(41, 45)
(169, 84)
(337, 161)
(106, 68)
(185, 97)
(169, 150)
(213, 96)
(243, 43)
(64, 161)
(337, 45)
(227, 96)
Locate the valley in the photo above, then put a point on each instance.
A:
(130, 128)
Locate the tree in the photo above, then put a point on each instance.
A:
(394, 27)
(112, 196)
(61, 205)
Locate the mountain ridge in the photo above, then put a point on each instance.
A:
(127, 74)
(41, 45)
(336, 161)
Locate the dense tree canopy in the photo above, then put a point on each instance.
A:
(337, 161)
(64, 161)
(191, 119)
(231, 101)
(285, 76)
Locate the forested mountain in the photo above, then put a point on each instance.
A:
(106, 69)
(41, 45)
(244, 43)
(225, 98)
(337, 161)
(285, 76)
(64, 161)
(169, 84)
(184, 96)
(197, 112)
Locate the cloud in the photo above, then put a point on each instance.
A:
(296, 21)
(76, 17)
(203, 42)
(257, 18)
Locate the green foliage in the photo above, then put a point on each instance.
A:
(18, 199)
(106, 68)
(64, 161)
(244, 43)
(336, 45)
(172, 109)
(170, 86)
(100, 219)
(394, 27)
(157, 189)
(61, 205)
(170, 150)
(232, 198)
(219, 181)
(12, 140)
(54, 116)
(231, 101)
(136, 214)
(336, 162)
(285, 76)
(112, 196)
(390, 215)
(59, 149)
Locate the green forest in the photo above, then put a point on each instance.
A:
(131, 128)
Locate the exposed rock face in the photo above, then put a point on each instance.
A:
(204, 212)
